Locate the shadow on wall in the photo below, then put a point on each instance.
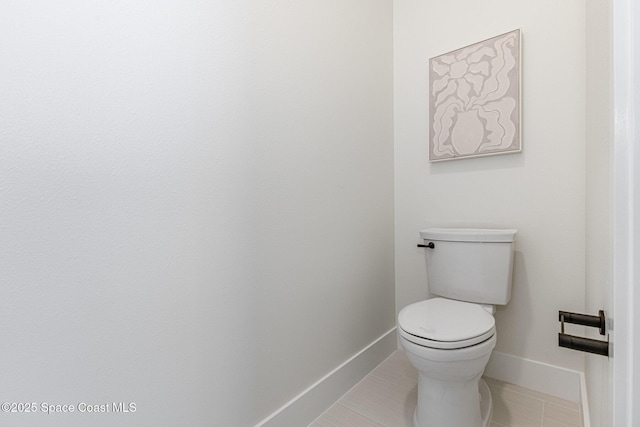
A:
(513, 321)
(492, 163)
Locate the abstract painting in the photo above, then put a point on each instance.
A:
(474, 100)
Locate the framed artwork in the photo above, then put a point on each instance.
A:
(474, 100)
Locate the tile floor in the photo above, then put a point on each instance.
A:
(387, 397)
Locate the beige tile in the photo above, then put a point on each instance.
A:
(388, 396)
(339, 415)
(574, 406)
(558, 414)
(505, 396)
(553, 423)
(385, 403)
(513, 408)
(395, 367)
(513, 415)
(408, 383)
(538, 395)
(385, 380)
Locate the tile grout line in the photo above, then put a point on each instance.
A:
(393, 372)
(353, 387)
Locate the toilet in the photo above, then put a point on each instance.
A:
(449, 338)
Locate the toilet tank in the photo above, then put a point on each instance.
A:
(474, 265)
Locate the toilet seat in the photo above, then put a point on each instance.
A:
(446, 324)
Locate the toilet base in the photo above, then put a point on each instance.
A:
(486, 402)
(486, 405)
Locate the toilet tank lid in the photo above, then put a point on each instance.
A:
(469, 234)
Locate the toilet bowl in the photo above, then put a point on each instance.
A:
(449, 338)
(449, 342)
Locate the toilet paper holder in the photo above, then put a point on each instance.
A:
(580, 343)
(599, 321)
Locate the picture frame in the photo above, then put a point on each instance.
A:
(474, 99)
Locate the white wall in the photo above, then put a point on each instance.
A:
(196, 205)
(540, 191)
(599, 140)
(323, 192)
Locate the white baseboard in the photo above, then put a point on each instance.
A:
(312, 402)
(549, 379)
